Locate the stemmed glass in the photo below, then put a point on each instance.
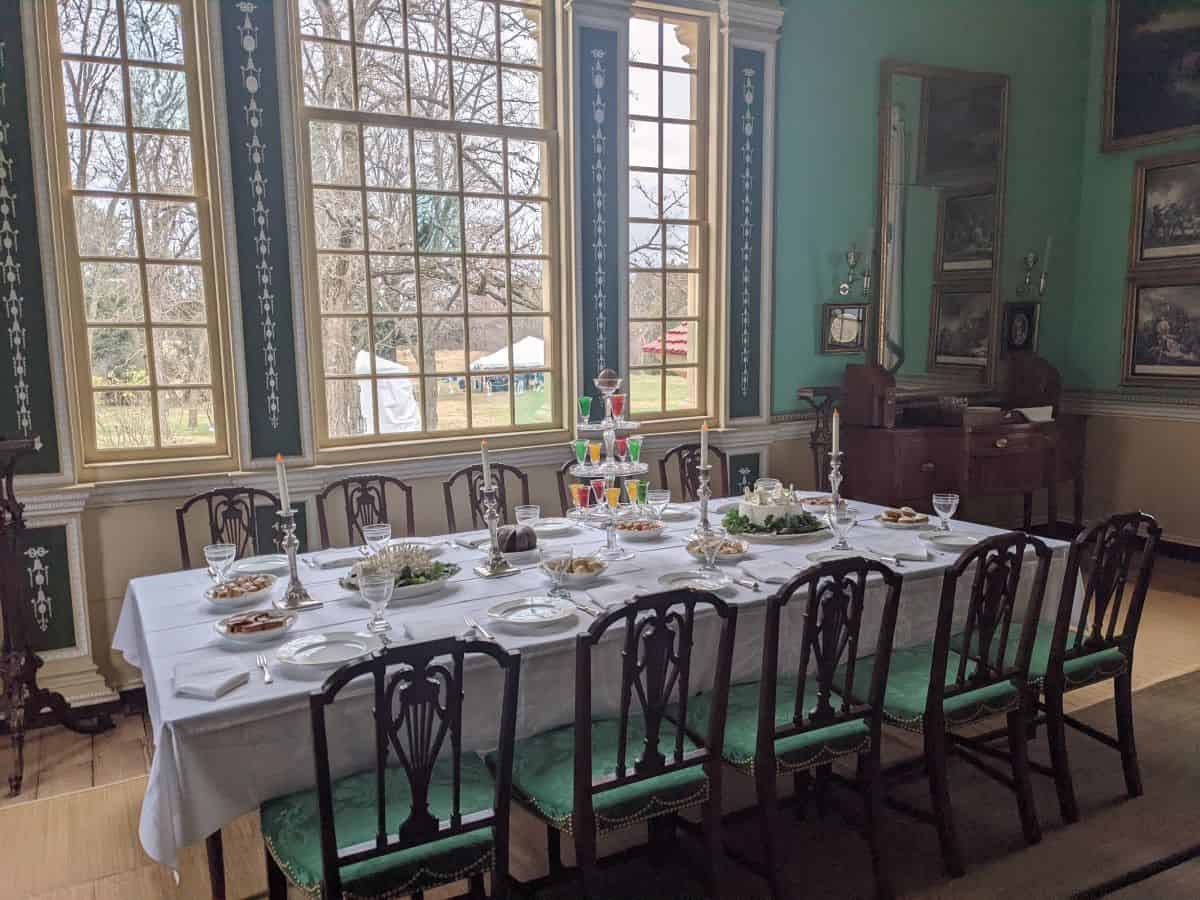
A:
(945, 505)
(611, 549)
(710, 545)
(841, 520)
(585, 409)
(527, 514)
(635, 449)
(580, 446)
(658, 501)
(556, 564)
(219, 558)
(376, 536)
(376, 591)
(621, 445)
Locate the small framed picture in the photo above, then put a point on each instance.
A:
(966, 232)
(1021, 327)
(960, 333)
(1165, 232)
(844, 327)
(1162, 330)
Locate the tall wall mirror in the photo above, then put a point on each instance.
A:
(942, 144)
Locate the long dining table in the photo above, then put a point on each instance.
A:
(215, 760)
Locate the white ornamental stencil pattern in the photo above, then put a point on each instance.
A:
(599, 200)
(39, 580)
(11, 295)
(746, 227)
(261, 213)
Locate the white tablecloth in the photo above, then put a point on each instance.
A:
(215, 760)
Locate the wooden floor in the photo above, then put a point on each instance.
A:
(72, 834)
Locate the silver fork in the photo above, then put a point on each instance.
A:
(262, 664)
(471, 623)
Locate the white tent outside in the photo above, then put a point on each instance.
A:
(398, 406)
(527, 353)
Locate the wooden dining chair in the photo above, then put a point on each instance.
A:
(1097, 644)
(426, 813)
(472, 486)
(364, 498)
(968, 673)
(791, 722)
(565, 478)
(230, 513)
(602, 774)
(687, 458)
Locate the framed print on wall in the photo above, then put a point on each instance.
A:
(1151, 77)
(966, 232)
(960, 330)
(1021, 327)
(962, 131)
(1165, 231)
(1162, 330)
(844, 327)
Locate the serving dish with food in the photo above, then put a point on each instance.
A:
(415, 571)
(640, 529)
(580, 570)
(786, 528)
(902, 517)
(255, 627)
(241, 590)
(731, 549)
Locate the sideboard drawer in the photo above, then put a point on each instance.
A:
(1000, 443)
(923, 467)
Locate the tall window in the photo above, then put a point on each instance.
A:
(140, 250)
(430, 203)
(666, 217)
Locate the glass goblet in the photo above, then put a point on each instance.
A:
(658, 501)
(556, 564)
(841, 520)
(945, 506)
(376, 590)
(527, 514)
(710, 546)
(376, 536)
(219, 558)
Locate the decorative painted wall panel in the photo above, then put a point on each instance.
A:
(50, 618)
(26, 390)
(745, 232)
(744, 470)
(255, 136)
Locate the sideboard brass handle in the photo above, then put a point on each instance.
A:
(927, 467)
(1001, 443)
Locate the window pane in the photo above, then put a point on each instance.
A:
(104, 226)
(153, 31)
(438, 223)
(643, 41)
(683, 248)
(164, 163)
(645, 391)
(343, 283)
(643, 144)
(645, 343)
(389, 222)
(645, 245)
(170, 229)
(338, 219)
(441, 285)
(181, 356)
(393, 284)
(683, 389)
(473, 29)
(427, 25)
(386, 153)
(429, 77)
(93, 93)
(176, 294)
(531, 342)
(483, 164)
(99, 160)
(396, 345)
(489, 344)
(680, 43)
(118, 356)
(475, 98)
(520, 34)
(683, 342)
(349, 408)
(186, 417)
(645, 295)
(643, 195)
(445, 404)
(123, 420)
(530, 285)
(522, 97)
(683, 293)
(112, 292)
(489, 401)
(327, 74)
(324, 18)
(526, 162)
(158, 98)
(643, 92)
(526, 225)
(445, 344)
(677, 195)
(679, 95)
(334, 151)
(485, 224)
(437, 160)
(535, 398)
(678, 146)
(381, 82)
(399, 405)
(345, 345)
(486, 285)
(380, 22)
(89, 28)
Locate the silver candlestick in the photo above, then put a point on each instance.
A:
(296, 596)
(494, 564)
(836, 523)
(704, 494)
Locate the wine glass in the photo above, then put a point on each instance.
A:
(527, 514)
(556, 564)
(578, 491)
(658, 501)
(945, 505)
(621, 445)
(635, 448)
(376, 536)
(580, 446)
(841, 520)
(585, 409)
(618, 407)
(376, 591)
(219, 558)
(710, 545)
(594, 452)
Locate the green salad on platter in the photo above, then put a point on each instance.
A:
(797, 523)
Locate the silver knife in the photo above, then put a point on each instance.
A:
(746, 583)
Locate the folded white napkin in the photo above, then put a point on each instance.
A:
(768, 571)
(210, 679)
(608, 595)
(337, 558)
(900, 547)
(1036, 413)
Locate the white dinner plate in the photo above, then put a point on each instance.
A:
(319, 653)
(905, 526)
(676, 513)
(820, 534)
(701, 581)
(532, 612)
(949, 540)
(266, 564)
(288, 619)
(242, 601)
(553, 526)
(650, 535)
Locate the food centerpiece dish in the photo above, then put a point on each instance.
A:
(414, 569)
(786, 528)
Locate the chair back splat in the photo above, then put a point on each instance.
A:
(231, 519)
(366, 503)
(472, 479)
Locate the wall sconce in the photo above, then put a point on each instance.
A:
(1030, 261)
(852, 260)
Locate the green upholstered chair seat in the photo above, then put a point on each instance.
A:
(291, 827)
(1078, 671)
(908, 687)
(544, 776)
(792, 753)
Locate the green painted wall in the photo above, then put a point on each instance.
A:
(1093, 360)
(829, 56)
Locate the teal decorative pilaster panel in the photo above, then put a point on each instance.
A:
(598, 133)
(255, 138)
(26, 389)
(745, 232)
(50, 616)
(744, 470)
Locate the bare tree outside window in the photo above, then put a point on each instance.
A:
(428, 158)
